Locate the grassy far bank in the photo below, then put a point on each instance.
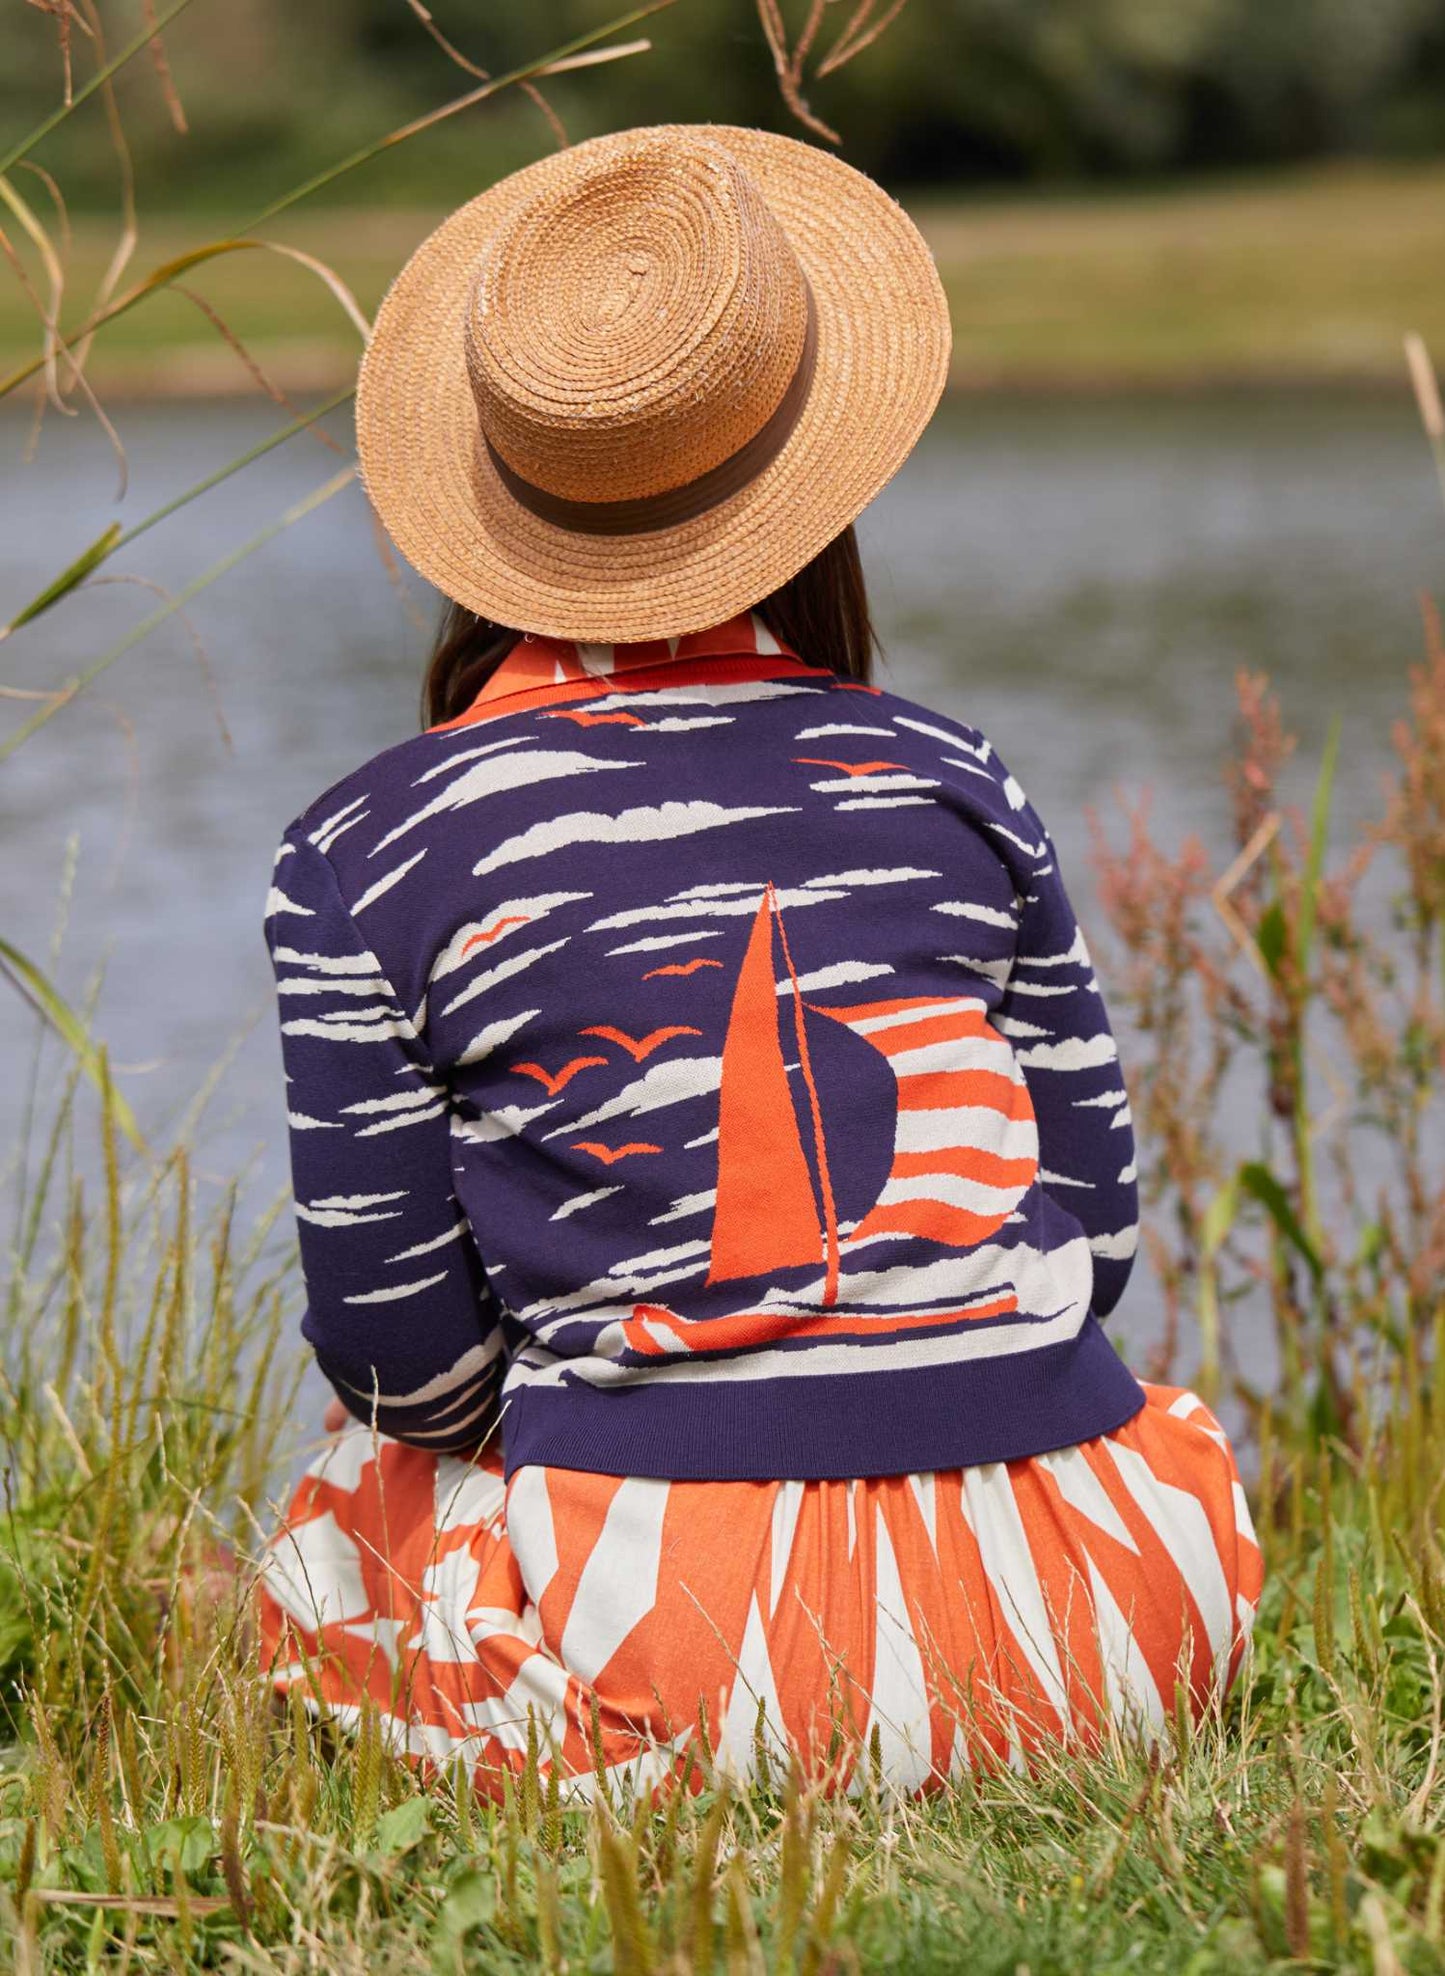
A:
(1311, 278)
(1298, 279)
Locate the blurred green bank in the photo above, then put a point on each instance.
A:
(1302, 278)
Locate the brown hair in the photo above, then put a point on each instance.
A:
(821, 614)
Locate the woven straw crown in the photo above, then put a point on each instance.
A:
(633, 334)
(633, 388)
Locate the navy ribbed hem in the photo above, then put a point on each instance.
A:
(831, 1427)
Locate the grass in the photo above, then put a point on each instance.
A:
(1298, 279)
(1288, 281)
(156, 1812)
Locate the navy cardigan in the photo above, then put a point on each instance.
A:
(694, 1060)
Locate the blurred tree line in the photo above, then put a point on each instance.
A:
(956, 90)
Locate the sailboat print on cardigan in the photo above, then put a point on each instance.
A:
(767, 1214)
(965, 1151)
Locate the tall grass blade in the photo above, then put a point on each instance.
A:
(553, 63)
(113, 540)
(48, 1002)
(1315, 859)
(162, 277)
(75, 687)
(1215, 1223)
(69, 578)
(97, 81)
(1257, 1180)
(1426, 387)
(550, 64)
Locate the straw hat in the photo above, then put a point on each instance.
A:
(633, 388)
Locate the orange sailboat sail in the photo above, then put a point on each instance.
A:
(965, 1151)
(767, 1213)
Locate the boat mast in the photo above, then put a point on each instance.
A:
(825, 1178)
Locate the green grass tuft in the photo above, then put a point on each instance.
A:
(159, 1811)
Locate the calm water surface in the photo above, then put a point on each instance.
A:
(1080, 579)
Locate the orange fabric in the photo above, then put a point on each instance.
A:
(901, 1030)
(971, 1616)
(543, 672)
(766, 1215)
(742, 1329)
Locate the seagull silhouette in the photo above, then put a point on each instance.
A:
(639, 1047)
(598, 720)
(555, 1080)
(846, 768)
(609, 1155)
(681, 967)
(491, 933)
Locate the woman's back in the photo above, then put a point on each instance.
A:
(706, 983)
(695, 1065)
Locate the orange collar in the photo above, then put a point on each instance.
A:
(541, 671)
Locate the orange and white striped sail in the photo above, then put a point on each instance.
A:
(966, 1148)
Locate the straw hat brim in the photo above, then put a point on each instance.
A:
(882, 351)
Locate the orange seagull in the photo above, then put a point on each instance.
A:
(847, 768)
(609, 1155)
(491, 933)
(639, 1047)
(555, 1080)
(681, 967)
(584, 719)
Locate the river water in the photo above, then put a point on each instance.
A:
(1081, 579)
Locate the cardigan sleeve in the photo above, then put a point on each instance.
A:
(1054, 1016)
(399, 1312)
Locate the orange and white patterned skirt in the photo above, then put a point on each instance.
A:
(923, 1623)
